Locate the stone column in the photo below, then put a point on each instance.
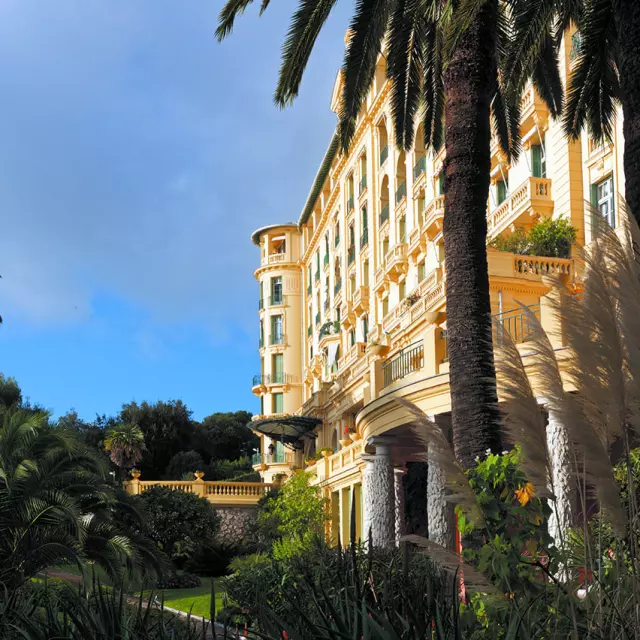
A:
(561, 517)
(399, 502)
(367, 496)
(440, 514)
(380, 494)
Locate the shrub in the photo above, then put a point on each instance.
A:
(184, 463)
(214, 559)
(547, 238)
(179, 581)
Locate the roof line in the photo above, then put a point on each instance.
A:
(321, 176)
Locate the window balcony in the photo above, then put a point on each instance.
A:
(395, 262)
(407, 361)
(317, 318)
(337, 287)
(317, 276)
(276, 338)
(329, 329)
(277, 457)
(351, 255)
(401, 192)
(384, 154)
(419, 168)
(528, 202)
(347, 315)
(364, 238)
(267, 379)
(516, 323)
(433, 218)
(275, 258)
(350, 204)
(361, 300)
(276, 301)
(384, 214)
(362, 186)
(326, 259)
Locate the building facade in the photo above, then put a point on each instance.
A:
(364, 281)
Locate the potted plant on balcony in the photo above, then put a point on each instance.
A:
(412, 298)
(310, 460)
(323, 452)
(352, 433)
(346, 440)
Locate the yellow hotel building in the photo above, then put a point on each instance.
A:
(352, 297)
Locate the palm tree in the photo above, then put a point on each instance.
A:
(125, 444)
(443, 58)
(56, 505)
(607, 73)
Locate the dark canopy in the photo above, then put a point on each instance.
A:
(285, 428)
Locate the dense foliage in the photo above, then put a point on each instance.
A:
(551, 238)
(180, 523)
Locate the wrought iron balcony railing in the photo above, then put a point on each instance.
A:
(364, 238)
(384, 214)
(272, 378)
(384, 154)
(276, 338)
(420, 167)
(337, 286)
(362, 185)
(401, 192)
(403, 363)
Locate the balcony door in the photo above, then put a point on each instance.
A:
(276, 330)
(277, 368)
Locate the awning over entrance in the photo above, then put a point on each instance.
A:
(285, 428)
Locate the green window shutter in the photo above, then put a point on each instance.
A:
(364, 218)
(536, 161)
(278, 363)
(501, 191)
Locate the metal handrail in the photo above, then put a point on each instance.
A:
(410, 359)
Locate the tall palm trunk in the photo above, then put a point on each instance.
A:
(627, 21)
(468, 81)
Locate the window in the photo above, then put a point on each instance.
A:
(261, 405)
(385, 306)
(352, 236)
(280, 246)
(261, 334)
(602, 199)
(365, 273)
(277, 368)
(440, 183)
(501, 192)
(336, 233)
(422, 269)
(365, 328)
(538, 161)
(277, 336)
(385, 249)
(278, 402)
(364, 219)
(334, 366)
(402, 231)
(311, 353)
(402, 288)
(352, 338)
(276, 290)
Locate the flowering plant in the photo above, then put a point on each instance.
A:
(348, 430)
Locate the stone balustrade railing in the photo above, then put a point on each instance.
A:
(219, 493)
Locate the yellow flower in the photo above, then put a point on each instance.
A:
(525, 494)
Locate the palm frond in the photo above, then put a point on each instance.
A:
(368, 29)
(231, 10)
(440, 451)
(546, 77)
(407, 32)
(433, 87)
(306, 24)
(521, 415)
(593, 86)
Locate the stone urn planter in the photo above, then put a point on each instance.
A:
(345, 442)
(354, 436)
(198, 474)
(135, 474)
(311, 462)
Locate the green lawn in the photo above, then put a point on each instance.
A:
(197, 600)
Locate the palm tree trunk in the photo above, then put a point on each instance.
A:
(467, 84)
(627, 21)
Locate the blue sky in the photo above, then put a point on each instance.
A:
(137, 155)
